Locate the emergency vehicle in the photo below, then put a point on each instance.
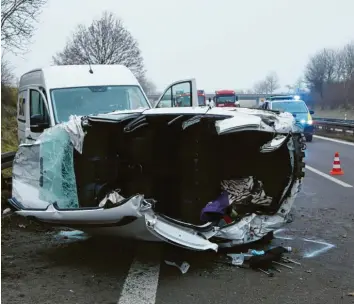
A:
(297, 107)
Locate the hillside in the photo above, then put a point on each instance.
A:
(8, 119)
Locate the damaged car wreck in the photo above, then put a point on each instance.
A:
(201, 178)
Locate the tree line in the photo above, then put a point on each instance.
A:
(329, 75)
(105, 41)
(328, 79)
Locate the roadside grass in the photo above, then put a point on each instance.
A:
(337, 113)
(341, 136)
(9, 140)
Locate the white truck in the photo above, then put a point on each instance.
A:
(48, 96)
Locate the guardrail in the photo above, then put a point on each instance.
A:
(325, 124)
(7, 159)
(349, 121)
(334, 125)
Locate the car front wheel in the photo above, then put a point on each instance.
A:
(309, 138)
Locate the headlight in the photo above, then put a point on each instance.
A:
(309, 122)
(303, 121)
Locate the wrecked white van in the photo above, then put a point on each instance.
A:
(196, 177)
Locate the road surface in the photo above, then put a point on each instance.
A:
(39, 267)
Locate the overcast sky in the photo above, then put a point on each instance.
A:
(224, 44)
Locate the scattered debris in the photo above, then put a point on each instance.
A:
(269, 274)
(351, 294)
(72, 235)
(21, 226)
(308, 271)
(6, 211)
(263, 261)
(183, 267)
(236, 259)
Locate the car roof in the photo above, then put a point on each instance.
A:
(64, 76)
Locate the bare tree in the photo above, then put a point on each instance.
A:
(7, 82)
(315, 73)
(322, 69)
(147, 85)
(272, 82)
(330, 74)
(260, 87)
(7, 77)
(105, 41)
(17, 23)
(346, 63)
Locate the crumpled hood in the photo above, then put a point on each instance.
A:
(242, 118)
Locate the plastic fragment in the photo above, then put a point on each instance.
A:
(183, 267)
(257, 252)
(236, 259)
(6, 211)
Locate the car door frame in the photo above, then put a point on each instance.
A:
(31, 136)
(194, 92)
(22, 113)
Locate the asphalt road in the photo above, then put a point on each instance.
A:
(39, 267)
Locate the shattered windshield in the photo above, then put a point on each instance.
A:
(290, 106)
(226, 99)
(95, 100)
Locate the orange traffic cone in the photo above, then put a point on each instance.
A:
(336, 169)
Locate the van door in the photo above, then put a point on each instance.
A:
(182, 93)
(22, 113)
(38, 115)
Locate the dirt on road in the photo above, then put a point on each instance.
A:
(42, 265)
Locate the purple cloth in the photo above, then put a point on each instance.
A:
(216, 208)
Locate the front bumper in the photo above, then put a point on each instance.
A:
(308, 130)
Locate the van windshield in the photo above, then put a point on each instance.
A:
(96, 100)
(290, 106)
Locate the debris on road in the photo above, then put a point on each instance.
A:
(6, 211)
(236, 259)
(183, 267)
(72, 235)
(263, 260)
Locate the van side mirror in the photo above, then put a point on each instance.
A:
(312, 112)
(38, 123)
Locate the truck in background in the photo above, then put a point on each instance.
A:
(226, 98)
(201, 98)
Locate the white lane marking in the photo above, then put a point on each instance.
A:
(335, 140)
(141, 284)
(277, 236)
(337, 181)
(316, 252)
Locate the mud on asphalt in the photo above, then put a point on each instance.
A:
(40, 266)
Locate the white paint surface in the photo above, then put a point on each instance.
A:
(319, 247)
(315, 252)
(332, 179)
(140, 286)
(335, 140)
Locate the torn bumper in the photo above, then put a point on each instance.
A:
(127, 220)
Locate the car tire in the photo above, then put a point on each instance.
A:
(309, 138)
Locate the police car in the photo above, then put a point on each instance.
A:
(296, 107)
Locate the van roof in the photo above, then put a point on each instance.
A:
(63, 76)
